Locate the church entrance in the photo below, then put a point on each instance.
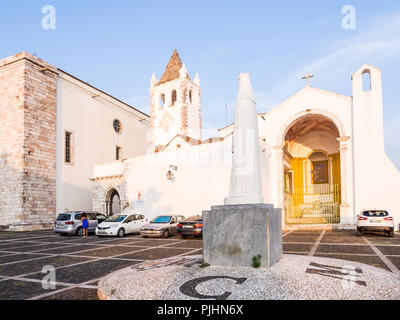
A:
(312, 173)
(112, 202)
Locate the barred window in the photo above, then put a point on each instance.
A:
(118, 153)
(68, 147)
(117, 125)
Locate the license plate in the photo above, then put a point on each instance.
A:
(60, 226)
(376, 220)
(187, 227)
(102, 232)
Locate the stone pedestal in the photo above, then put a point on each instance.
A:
(234, 234)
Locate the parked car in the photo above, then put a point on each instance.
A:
(69, 223)
(375, 220)
(162, 226)
(192, 226)
(121, 224)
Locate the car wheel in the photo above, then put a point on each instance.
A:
(184, 236)
(79, 232)
(391, 234)
(121, 232)
(165, 234)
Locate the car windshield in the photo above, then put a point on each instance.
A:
(374, 213)
(115, 219)
(64, 217)
(162, 219)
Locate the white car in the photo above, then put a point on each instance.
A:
(121, 224)
(375, 220)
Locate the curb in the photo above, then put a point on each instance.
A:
(101, 295)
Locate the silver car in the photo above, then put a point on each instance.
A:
(162, 226)
(69, 223)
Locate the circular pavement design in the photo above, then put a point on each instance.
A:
(292, 278)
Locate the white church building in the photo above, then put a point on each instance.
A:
(67, 145)
(322, 156)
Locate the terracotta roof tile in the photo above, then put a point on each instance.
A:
(172, 70)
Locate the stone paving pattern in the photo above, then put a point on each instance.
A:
(80, 263)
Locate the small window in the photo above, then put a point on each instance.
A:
(118, 153)
(173, 97)
(366, 80)
(68, 147)
(117, 126)
(190, 96)
(162, 100)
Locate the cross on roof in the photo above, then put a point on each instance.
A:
(308, 76)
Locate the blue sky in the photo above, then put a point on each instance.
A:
(117, 45)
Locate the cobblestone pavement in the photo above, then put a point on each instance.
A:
(79, 263)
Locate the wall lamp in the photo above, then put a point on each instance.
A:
(171, 171)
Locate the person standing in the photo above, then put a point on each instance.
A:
(85, 225)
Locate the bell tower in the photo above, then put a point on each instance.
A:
(175, 104)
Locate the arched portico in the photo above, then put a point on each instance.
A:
(112, 201)
(311, 162)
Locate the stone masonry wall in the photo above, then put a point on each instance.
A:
(12, 81)
(28, 87)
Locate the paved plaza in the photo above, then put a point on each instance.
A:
(80, 263)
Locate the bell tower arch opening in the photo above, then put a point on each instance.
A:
(312, 171)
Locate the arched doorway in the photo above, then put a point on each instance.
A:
(312, 171)
(113, 202)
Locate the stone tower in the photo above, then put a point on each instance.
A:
(28, 105)
(175, 104)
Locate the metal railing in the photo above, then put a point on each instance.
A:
(315, 204)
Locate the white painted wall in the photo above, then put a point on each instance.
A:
(201, 180)
(377, 180)
(315, 140)
(94, 139)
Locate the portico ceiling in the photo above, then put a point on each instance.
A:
(311, 123)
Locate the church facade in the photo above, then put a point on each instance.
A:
(322, 153)
(54, 128)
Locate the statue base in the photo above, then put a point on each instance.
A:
(234, 234)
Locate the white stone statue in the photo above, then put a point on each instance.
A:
(246, 185)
